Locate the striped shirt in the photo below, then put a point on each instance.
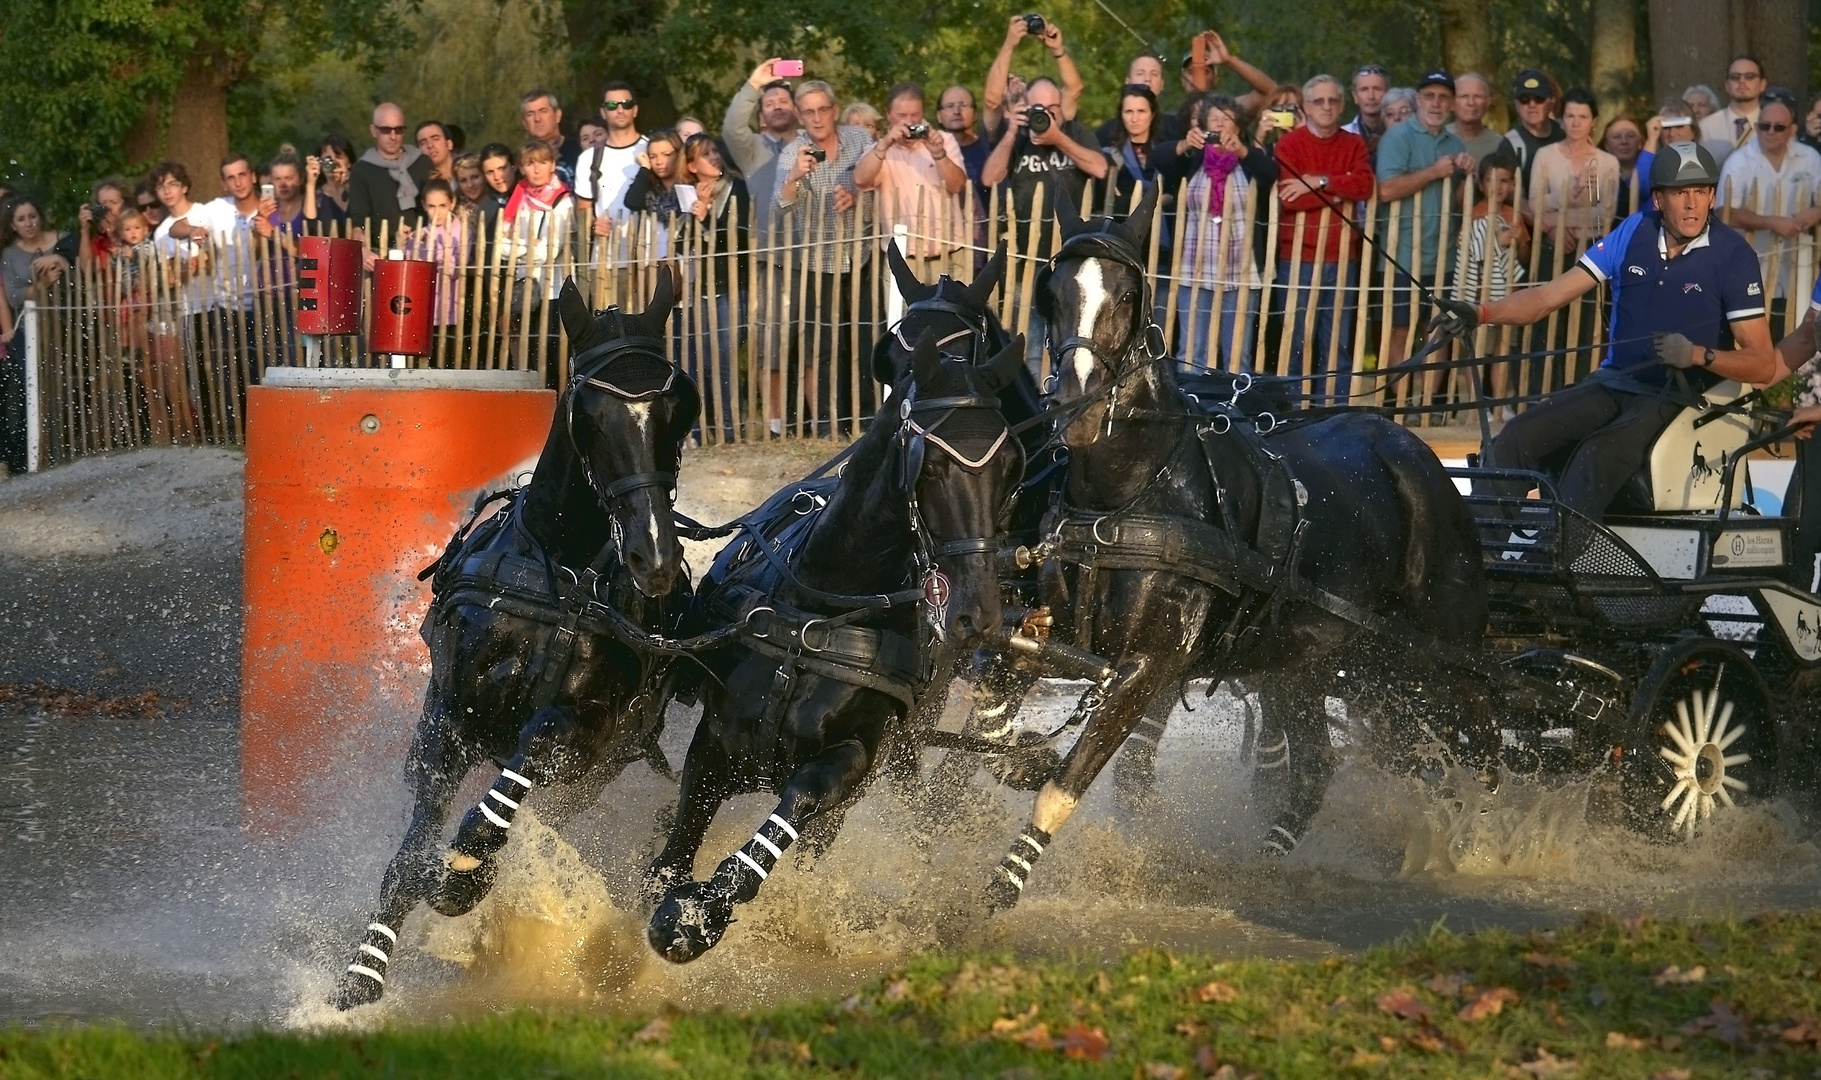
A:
(1504, 268)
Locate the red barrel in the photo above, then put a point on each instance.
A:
(404, 298)
(328, 285)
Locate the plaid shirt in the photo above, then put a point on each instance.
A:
(814, 206)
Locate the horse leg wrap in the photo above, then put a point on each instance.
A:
(1015, 868)
(756, 859)
(1283, 836)
(484, 828)
(365, 979)
(1272, 751)
(1147, 732)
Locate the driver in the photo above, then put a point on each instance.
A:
(1687, 300)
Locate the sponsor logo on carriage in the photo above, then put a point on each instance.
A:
(1799, 620)
(936, 593)
(1748, 547)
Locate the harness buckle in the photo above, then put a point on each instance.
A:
(1095, 531)
(1218, 424)
(753, 628)
(1259, 425)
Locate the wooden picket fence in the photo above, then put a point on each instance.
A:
(778, 329)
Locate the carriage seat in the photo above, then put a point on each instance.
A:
(1684, 471)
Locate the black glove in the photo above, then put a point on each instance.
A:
(1673, 350)
(1456, 319)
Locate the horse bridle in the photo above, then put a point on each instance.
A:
(974, 323)
(1143, 331)
(914, 438)
(591, 369)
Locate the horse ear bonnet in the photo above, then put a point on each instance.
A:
(634, 368)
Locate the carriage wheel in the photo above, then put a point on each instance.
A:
(1702, 739)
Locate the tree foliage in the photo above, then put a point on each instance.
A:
(78, 76)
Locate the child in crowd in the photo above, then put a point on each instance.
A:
(591, 133)
(443, 240)
(1501, 261)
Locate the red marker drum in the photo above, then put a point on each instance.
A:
(404, 299)
(328, 285)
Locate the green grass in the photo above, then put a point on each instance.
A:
(1604, 999)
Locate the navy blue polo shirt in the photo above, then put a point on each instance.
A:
(1698, 294)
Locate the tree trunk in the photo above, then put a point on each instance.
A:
(1467, 45)
(1690, 42)
(1776, 32)
(613, 41)
(1615, 54)
(197, 133)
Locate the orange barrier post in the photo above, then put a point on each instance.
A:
(355, 479)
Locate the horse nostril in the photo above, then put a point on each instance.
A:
(965, 627)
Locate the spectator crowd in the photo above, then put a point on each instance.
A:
(791, 159)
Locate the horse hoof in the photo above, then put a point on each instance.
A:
(460, 890)
(1001, 894)
(684, 926)
(659, 880)
(356, 989)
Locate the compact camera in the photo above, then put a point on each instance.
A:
(1037, 119)
(917, 131)
(1034, 25)
(817, 152)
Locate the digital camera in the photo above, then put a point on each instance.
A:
(1034, 25)
(817, 152)
(917, 131)
(1037, 119)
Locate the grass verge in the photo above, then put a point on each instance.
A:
(1606, 998)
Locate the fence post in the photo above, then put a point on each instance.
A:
(34, 415)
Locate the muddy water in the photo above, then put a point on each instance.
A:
(128, 889)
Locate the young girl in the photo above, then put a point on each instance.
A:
(535, 223)
(443, 240)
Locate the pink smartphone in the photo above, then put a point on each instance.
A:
(788, 69)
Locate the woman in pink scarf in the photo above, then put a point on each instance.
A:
(1231, 185)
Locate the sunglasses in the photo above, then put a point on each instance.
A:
(615, 106)
(1741, 76)
(146, 205)
(400, 130)
(1531, 99)
(1764, 125)
(1369, 69)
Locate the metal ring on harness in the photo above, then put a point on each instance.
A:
(1219, 424)
(754, 630)
(1240, 387)
(1262, 428)
(1114, 539)
(803, 635)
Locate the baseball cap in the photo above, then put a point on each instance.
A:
(1436, 78)
(1532, 81)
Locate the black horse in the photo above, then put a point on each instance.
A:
(831, 659)
(1187, 546)
(524, 662)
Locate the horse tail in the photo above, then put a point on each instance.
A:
(1441, 582)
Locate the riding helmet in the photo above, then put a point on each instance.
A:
(1680, 165)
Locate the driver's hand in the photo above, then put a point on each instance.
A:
(1456, 319)
(1673, 350)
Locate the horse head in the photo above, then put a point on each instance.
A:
(960, 494)
(628, 412)
(1096, 301)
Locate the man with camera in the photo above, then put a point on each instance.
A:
(1039, 144)
(999, 96)
(766, 98)
(916, 169)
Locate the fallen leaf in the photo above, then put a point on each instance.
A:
(1005, 1025)
(1404, 1003)
(1548, 1065)
(1387, 1043)
(897, 991)
(1206, 1060)
(1216, 993)
(1722, 1024)
(1674, 1074)
(1637, 923)
(1084, 1043)
(1671, 1043)
(1362, 1059)
(1488, 1003)
(655, 1032)
(1803, 1031)
(1549, 960)
(1189, 1029)
(1618, 1040)
(1598, 997)
(1225, 1072)
(1158, 1070)
(1675, 976)
(1429, 1039)
(1338, 1004)
(1036, 1038)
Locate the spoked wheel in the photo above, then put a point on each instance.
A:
(1702, 741)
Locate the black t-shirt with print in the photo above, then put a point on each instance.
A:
(1033, 165)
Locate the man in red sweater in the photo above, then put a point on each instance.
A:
(1323, 173)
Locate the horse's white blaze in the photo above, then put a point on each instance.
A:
(1093, 299)
(640, 412)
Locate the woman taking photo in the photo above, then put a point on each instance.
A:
(326, 173)
(722, 211)
(1218, 260)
